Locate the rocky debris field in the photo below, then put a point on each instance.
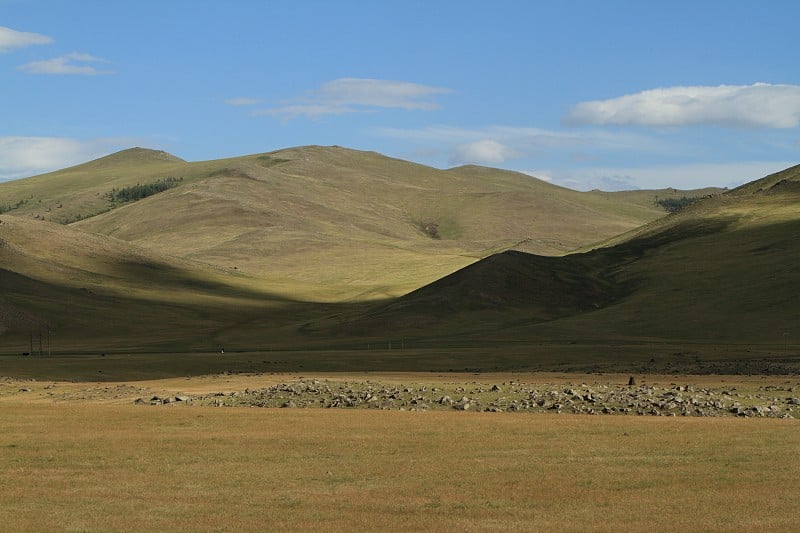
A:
(644, 400)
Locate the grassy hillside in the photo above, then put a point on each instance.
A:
(95, 293)
(309, 248)
(717, 278)
(332, 224)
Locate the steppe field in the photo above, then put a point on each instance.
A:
(87, 456)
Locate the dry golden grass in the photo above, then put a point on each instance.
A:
(93, 466)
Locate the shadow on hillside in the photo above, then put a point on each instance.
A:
(502, 313)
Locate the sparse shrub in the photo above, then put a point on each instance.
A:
(269, 161)
(7, 208)
(673, 205)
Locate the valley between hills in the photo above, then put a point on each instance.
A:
(334, 260)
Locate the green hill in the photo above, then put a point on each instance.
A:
(328, 223)
(91, 292)
(714, 282)
(318, 248)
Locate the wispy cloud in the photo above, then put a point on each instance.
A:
(70, 64)
(688, 176)
(11, 39)
(28, 156)
(350, 95)
(243, 101)
(760, 105)
(380, 93)
(497, 144)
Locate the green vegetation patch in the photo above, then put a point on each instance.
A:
(673, 205)
(17, 205)
(139, 191)
(267, 161)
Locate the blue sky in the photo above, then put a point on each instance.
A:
(586, 94)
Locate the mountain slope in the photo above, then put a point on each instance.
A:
(239, 252)
(77, 192)
(98, 293)
(723, 270)
(332, 224)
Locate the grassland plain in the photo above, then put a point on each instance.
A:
(82, 456)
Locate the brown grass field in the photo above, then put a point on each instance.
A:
(95, 462)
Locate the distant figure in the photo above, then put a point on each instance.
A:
(631, 381)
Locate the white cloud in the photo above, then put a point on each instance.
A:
(10, 39)
(350, 95)
(760, 105)
(688, 176)
(73, 64)
(242, 101)
(28, 156)
(483, 151)
(453, 134)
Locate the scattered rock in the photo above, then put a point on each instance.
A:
(675, 400)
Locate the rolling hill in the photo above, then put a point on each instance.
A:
(97, 293)
(717, 280)
(327, 223)
(317, 248)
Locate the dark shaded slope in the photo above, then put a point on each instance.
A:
(515, 279)
(93, 293)
(501, 288)
(723, 271)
